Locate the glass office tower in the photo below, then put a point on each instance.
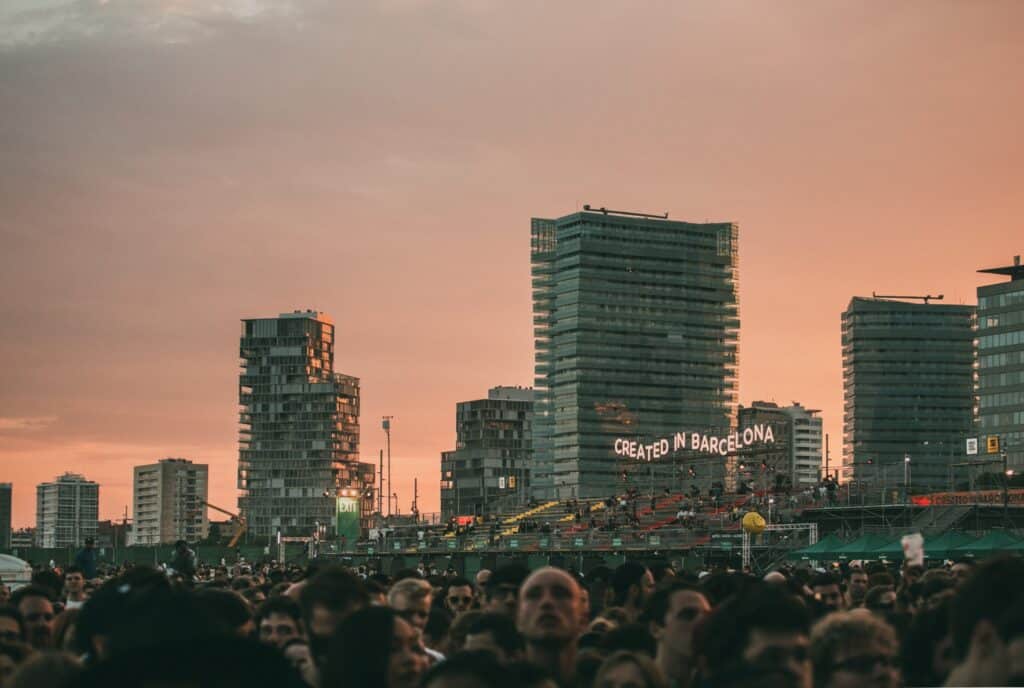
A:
(908, 384)
(298, 457)
(636, 324)
(1001, 362)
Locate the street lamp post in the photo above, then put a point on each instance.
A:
(906, 478)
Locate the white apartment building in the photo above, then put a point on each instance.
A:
(67, 511)
(169, 502)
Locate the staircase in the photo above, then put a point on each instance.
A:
(940, 519)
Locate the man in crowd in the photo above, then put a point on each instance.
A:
(279, 620)
(326, 600)
(758, 637)
(496, 633)
(86, 559)
(74, 588)
(411, 598)
(548, 618)
(852, 649)
(458, 596)
(35, 605)
(632, 584)
(502, 590)
(671, 615)
(828, 589)
(856, 587)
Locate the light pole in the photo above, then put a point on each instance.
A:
(386, 424)
(906, 478)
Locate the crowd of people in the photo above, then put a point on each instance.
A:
(635, 626)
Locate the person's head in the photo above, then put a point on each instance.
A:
(851, 649)
(326, 599)
(762, 632)
(470, 669)
(625, 669)
(927, 647)
(857, 586)
(12, 655)
(976, 609)
(375, 648)
(632, 584)
(881, 599)
(229, 608)
(828, 590)
(36, 606)
(297, 652)
(671, 614)
(912, 573)
(459, 629)
(279, 620)
(410, 598)
(496, 633)
(12, 625)
(47, 669)
(503, 589)
(74, 581)
(549, 608)
(89, 543)
(961, 571)
(481, 578)
(459, 595)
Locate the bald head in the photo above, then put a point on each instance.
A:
(550, 604)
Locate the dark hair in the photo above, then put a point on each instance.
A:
(73, 569)
(873, 596)
(631, 638)
(658, 604)
(11, 612)
(32, 590)
(824, 580)
(359, 652)
(227, 605)
(279, 605)
(525, 675)
(926, 631)
(501, 627)
(723, 636)
(458, 582)
(438, 622)
(720, 586)
(626, 576)
(994, 587)
(509, 574)
(110, 605)
(480, 667)
(335, 588)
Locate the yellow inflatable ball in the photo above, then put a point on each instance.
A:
(753, 523)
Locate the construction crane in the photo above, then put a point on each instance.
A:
(240, 525)
(925, 298)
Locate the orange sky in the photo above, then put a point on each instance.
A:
(169, 168)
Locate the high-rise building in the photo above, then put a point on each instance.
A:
(908, 390)
(298, 458)
(636, 323)
(794, 458)
(169, 502)
(491, 461)
(1001, 362)
(5, 515)
(67, 511)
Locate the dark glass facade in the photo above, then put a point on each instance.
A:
(299, 435)
(489, 469)
(636, 324)
(908, 384)
(1001, 363)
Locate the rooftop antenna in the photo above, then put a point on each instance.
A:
(925, 298)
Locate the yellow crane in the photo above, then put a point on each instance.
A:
(240, 525)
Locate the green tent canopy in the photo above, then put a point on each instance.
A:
(823, 550)
(942, 546)
(994, 542)
(863, 547)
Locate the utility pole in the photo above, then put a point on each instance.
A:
(380, 493)
(826, 455)
(386, 424)
(415, 497)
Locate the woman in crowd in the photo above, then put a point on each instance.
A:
(374, 648)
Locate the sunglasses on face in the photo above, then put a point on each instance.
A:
(866, 664)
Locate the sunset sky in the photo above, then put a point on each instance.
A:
(169, 167)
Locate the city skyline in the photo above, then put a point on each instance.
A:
(390, 187)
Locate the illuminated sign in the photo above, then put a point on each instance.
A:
(972, 446)
(993, 444)
(347, 513)
(696, 441)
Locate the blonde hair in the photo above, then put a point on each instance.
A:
(409, 588)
